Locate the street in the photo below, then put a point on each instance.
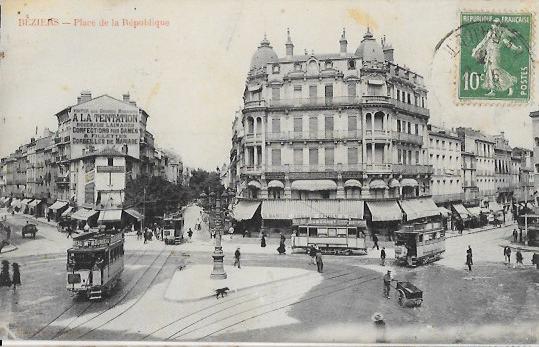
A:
(493, 304)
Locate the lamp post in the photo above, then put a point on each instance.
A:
(218, 271)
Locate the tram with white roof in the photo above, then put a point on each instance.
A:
(95, 263)
(419, 243)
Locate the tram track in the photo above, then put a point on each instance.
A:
(77, 315)
(116, 303)
(228, 301)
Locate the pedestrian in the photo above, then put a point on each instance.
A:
(237, 256)
(387, 282)
(505, 254)
(243, 233)
(282, 249)
(69, 232)
(319, 262)
(263, 241)
(190, 233)
(16, 276)
(469, 259)
(231, 231)
(515, 235)
(139, 234)
(383, 256)
(380, 327)
(312, 254)
(86, 227)
(508, 255)
(375, 240)
(48, 217)
(519, 258)
(5, 280)
(535, 260)
(145, 235)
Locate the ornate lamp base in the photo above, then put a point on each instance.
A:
(218, 272)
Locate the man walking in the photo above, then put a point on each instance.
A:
(387, 281)
(508, 255)
(515, 235)
(469, 259)
(375, 240)
(519, 259)
(383, 256)
(69, 232)
(319, 262)
(237, 256)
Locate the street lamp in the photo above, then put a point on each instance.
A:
(218, 271)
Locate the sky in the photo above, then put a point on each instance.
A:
(189, 75)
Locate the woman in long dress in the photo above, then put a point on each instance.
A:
(16, 276)
(487, 52)
(263, 241)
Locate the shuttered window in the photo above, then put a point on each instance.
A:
(313, 126)
(276, 125)
(298, 124)
(298, 156)
(329, 156)
(352, 123)
(276, 157)
(352, 155)
(329, 126)
(313, 156)
(313, 92)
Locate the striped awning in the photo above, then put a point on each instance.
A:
(394, 183)
(444, 211)
(276, 184)
(35, 203)
(313, 185)
(290, 209)
(384, 211)
(352, 184)
(110, 216)
(378, 184)
(409, 182)
(134, 213)
(462, 211)
(57, 205)
(419, 208)
(244, 210)
(494, 206)
(83, 214)
(254, 184)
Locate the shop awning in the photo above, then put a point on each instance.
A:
(254, 184)
(494, 206)
(375, 82)
(409, 182)
(290, 209)
(15, 202)
(475, 211)
(394, 183)
(384, 210)
(419, 208)
(26, 201)
(134, 213)
(67, 212)
(57, 205)
(276, 184)
(83, 214)
(314, 185)
(462, 211)
(245, 209)
(352, 184)
(444, 211)
(35, 203)
(110, 216)
(378, 184)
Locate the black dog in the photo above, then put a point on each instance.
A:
(222, 292)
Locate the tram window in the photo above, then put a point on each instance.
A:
(332, 232)
(420, 238)
(352, 232)
(313, 232)
(302, 231)
(341, 232)
(322, 232)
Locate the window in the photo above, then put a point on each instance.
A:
(341, 232)
(328, 91)
(417, 157)
(417, 129)
(313, 93)
(351, 64)
(298, 156)
(313, 126)
(322, 232)
(329, 156)
(352, 89)
(276, 69)
(313, 232)
(276, 125)
(399, 126)
(352, 123)
(352, 232)
(352, 155)
(332, 232)
(329, 126)
(110, 161)
(276, 93)
(324, 194)
(329, 64)
(409, 128)
(298, 124)
(276, 157)
(313, 156)
(399, 156)
(297, 67)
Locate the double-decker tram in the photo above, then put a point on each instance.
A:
(95, 263)
(419, 243)
(331, 236)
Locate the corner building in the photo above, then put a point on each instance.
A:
(332, 131)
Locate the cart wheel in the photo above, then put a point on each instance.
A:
(401, 297)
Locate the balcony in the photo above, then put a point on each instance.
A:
(254, 104)
(251, 169)
(315, 102)
(378, 168)
(308, 136)
(377, 134)
(412, 169)
(410, 108)
(409, 138)
(110, 169)
(253, 138)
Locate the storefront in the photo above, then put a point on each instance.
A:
(246, 214)
(56, 209)
(383, 217)
(85, 216)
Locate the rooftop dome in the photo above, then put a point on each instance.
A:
(263, 55)
(369, 49)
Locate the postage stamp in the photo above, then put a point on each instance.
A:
(495, 56)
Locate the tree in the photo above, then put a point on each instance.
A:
(204, 181)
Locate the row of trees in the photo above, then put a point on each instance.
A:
(157, 196)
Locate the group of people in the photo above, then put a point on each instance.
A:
(6, 280)
(517, 236)
(316, 258)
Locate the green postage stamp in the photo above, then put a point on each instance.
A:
(495, 56)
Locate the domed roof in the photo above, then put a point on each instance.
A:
(263, 55)
(369, 49)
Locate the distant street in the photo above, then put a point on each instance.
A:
(302, 309)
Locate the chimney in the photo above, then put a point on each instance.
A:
(126, 97)
(343, 42)
(85, 95)
(289, 45)
(388, 50)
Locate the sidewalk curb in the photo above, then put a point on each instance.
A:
(478, 231)
(232, 291)
(14, 248)
(523, 248)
